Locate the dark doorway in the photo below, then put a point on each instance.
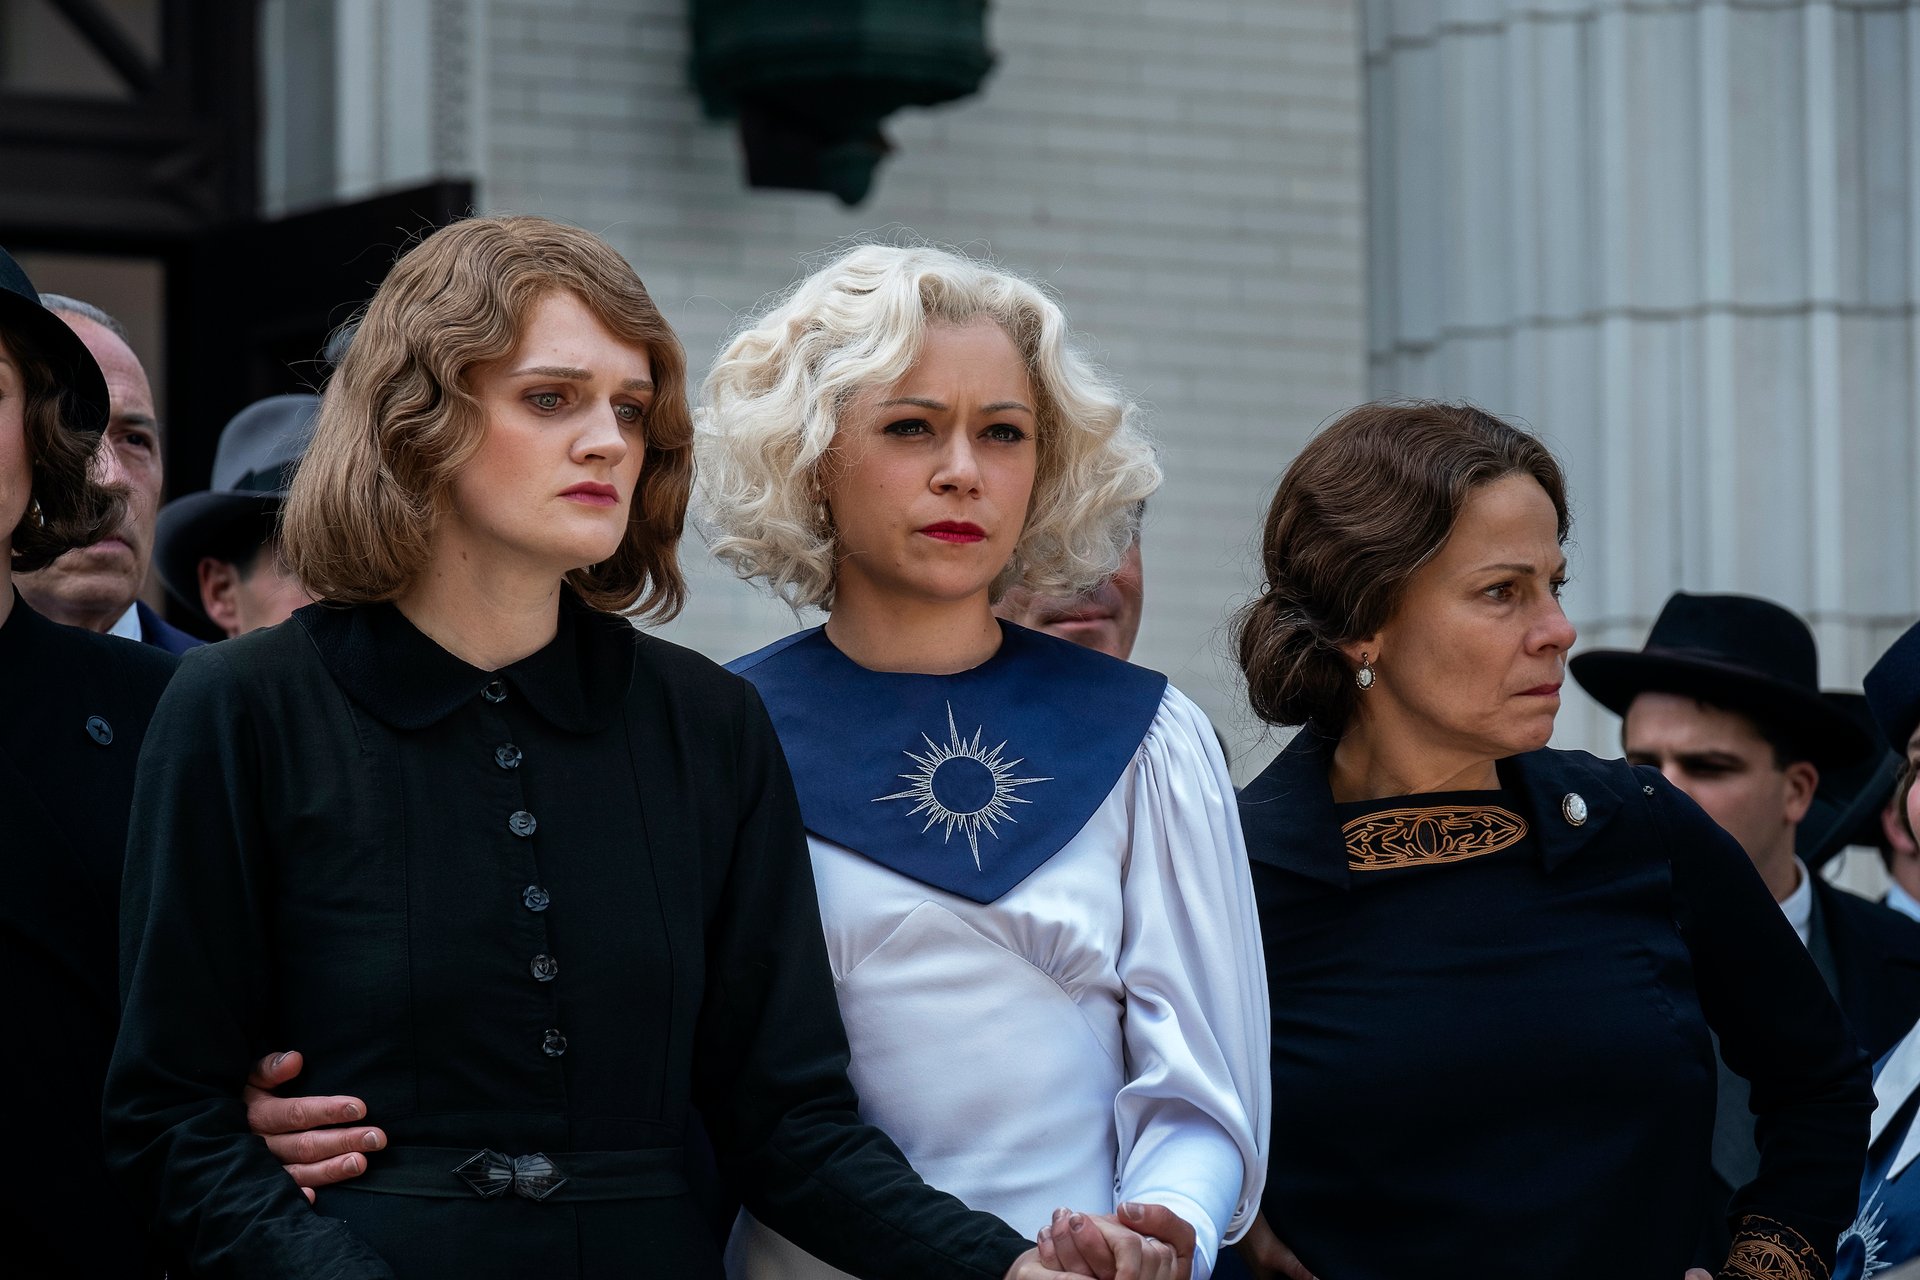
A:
(251, 305)
(129, 135)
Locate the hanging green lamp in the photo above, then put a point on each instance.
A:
(811, 81)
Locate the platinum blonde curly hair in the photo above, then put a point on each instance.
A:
(775, 395)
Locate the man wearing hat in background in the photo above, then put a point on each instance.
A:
(1724, 700)
(98, 587)
(218, 551)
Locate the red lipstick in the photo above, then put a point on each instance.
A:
(592, 493)
(955, 531)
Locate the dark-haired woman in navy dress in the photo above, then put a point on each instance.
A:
(1494, 967)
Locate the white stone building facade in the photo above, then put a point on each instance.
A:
(1676, 236)
(1185, 174)
(1679, 239)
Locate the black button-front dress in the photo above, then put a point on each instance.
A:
(532, 917)
(1490, 1031)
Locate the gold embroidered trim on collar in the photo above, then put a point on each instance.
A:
(1767, 1250)
(1426, 836)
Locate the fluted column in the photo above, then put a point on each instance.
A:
(1679, 240)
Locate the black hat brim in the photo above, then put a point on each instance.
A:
(191, 527)
(1850, 815)
(73, 365)
(1615, 677)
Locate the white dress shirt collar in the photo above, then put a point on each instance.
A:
(1799, 905)
(1902, 901)
(128, 627)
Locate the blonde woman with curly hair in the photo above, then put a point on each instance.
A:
(1032, 881)
(527, 885)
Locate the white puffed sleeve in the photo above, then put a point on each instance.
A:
(1193, 1114)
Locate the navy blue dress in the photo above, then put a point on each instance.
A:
(1490, 1031)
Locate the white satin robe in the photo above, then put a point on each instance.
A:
(1097, 1035)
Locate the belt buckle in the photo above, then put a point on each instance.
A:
(489, 1175)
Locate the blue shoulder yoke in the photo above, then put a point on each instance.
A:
(967, 782)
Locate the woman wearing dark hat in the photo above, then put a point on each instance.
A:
(73, 710)
(1494, 966)
(1887, 1230)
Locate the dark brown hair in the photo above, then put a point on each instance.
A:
(399, 420)
(1370, 500)
(69, 508)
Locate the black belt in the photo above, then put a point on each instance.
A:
(454, 1173)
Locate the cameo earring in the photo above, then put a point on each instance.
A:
(1364, 676)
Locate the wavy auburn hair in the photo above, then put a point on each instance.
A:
(399, 419)
(775, 395)
(70, 507)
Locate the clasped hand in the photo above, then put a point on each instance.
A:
(1138, 1242)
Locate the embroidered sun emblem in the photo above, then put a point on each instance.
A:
(963, 786)
(1868, 1231)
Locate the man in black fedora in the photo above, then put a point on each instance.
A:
(1724, 699)
(218, 551)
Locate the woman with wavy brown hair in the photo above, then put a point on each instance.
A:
(1494, 966)
(530, 883)
(73, 708)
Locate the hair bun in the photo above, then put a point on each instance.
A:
(1293, 668)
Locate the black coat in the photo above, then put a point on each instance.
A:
(74, 708)
(1869, 955)
(543, 912)
(1501, 1067)
(1876, 961)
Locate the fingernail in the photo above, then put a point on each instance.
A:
(1132, 1209)
(350, 1112)
(1059, 1214)
(355, 1164)
(1076, 1222)
(279, 1058)
(372, 1139)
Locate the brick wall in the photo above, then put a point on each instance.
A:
(1186, 173)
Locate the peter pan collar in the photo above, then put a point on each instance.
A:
(1288, 817)
(577, 682)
